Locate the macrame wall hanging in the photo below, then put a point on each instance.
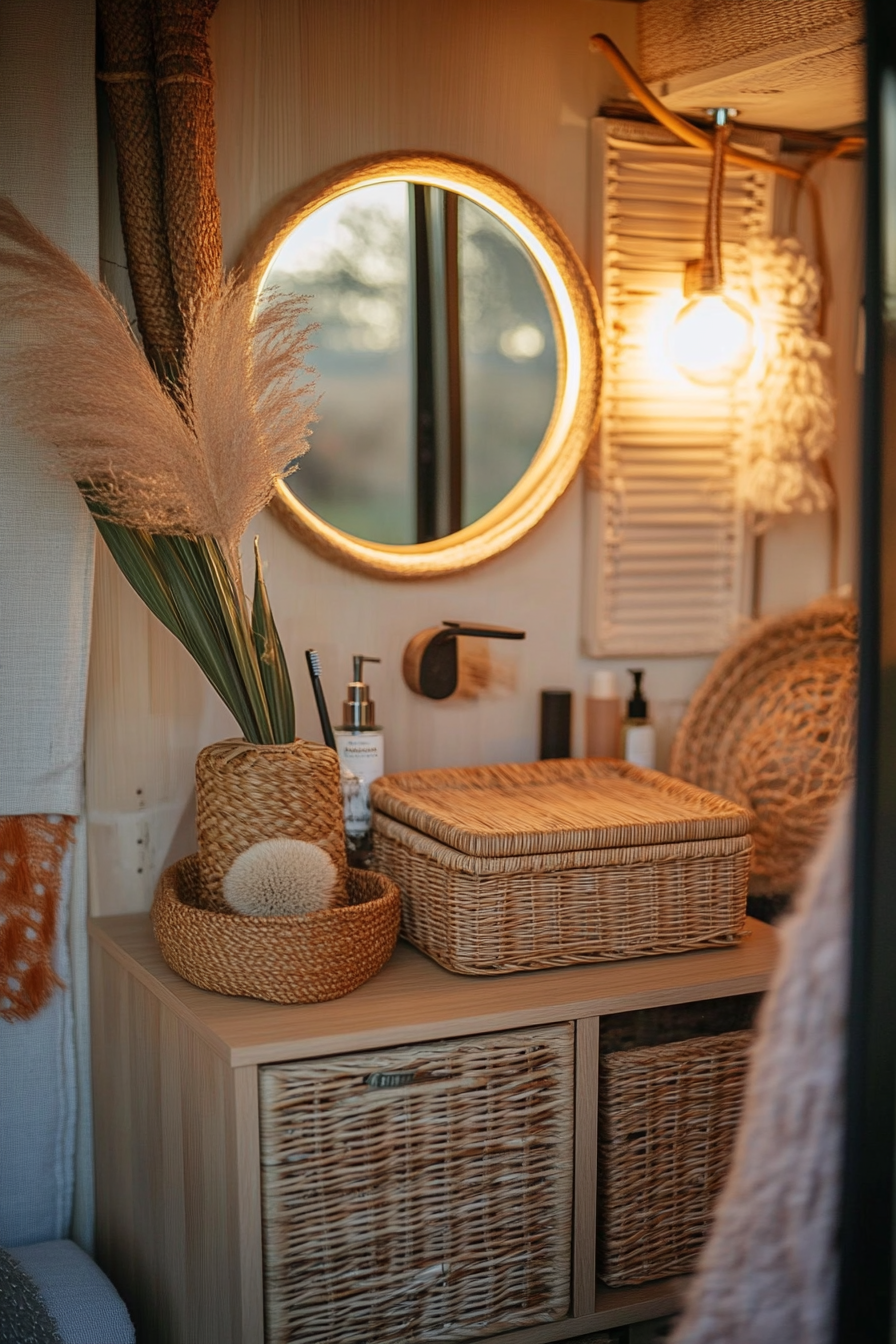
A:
(788, 427)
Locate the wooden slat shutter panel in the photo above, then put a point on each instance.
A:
(666, 544)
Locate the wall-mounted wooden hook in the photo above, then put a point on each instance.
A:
(429, 664)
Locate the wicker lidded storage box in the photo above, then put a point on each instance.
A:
(517, 867)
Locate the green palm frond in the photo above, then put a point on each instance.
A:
(186, 583)
(272, 660)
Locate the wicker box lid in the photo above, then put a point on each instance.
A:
(548, 807)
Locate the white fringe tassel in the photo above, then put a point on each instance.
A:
(789, 425)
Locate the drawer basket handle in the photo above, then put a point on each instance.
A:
(398, 1079)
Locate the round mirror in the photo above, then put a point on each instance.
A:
(458, 353)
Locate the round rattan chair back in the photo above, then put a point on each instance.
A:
(773, 729)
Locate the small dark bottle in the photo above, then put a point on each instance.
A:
(556, 718)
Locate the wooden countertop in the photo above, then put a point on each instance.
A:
(414, 999)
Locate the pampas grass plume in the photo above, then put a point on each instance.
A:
(281, 877)
(199, 458)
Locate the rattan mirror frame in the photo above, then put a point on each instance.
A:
(578, 328)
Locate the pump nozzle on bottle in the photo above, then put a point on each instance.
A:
(638, 733)
(358, 710)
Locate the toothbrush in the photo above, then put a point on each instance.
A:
(313, 660)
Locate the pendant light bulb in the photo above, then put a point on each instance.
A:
(713, 337)
(712, 340)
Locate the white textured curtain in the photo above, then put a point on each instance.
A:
(48, 167)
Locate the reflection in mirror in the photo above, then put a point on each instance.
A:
(437, 357)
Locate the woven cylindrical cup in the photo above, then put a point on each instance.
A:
(247, 793)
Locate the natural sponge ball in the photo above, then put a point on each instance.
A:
(281, 877)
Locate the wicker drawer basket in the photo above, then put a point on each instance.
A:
(667, 1119)
(418, 1193)
(517, 867)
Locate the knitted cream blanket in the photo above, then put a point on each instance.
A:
(769, 1270)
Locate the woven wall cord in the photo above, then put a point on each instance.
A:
(158, 79)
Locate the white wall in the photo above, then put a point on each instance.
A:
(797, 550)
(303, 85)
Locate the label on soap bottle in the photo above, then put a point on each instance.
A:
(640, 745)
(362, 758)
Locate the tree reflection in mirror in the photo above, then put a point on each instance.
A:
(436, 355)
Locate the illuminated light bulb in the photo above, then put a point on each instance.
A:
(712, 340)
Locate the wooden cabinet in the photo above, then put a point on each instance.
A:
(176, 1102)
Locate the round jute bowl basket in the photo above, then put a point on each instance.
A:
(773, 728)
(281, 958)
(247, 793)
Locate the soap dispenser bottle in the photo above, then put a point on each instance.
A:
(638, 733)
(359, 744)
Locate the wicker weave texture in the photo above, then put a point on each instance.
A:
(283, 958)
(419, 1193)
(559, 910)
(186, 102)
(158, 77)
(676, 37)
(247, 793)
(130, 88)
(550, 807)
(667, 1118)
(773, 729)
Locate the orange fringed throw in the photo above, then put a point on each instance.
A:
(32, 850)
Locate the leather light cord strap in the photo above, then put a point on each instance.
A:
(711, 265)
(692, 135)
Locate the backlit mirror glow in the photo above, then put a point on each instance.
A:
(436, 354)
